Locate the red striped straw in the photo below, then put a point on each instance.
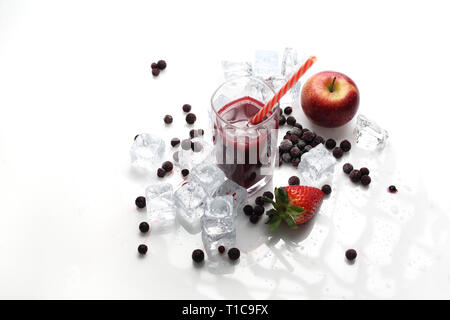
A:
(276, 98)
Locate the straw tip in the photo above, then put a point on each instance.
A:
(313, 58)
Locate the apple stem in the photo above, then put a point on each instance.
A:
(332, 84)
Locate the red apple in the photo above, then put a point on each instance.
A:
(330, 99)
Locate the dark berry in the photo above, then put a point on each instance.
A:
(142, 249)
(313, 143)
(185, 172)
(198, 255)
(162, 64)
(393, 189)
(326, 189)
(347, 168)
(190, 118)
(291, 120)
(186, 144)
(298, 132)
(307, 148)
(258, 210)
(221, 249)
(187, 107)
(365, 180)
(161, 172)
(295, 162)
(140, 202)
(308, 136)
(286, 157)
(154, 65)
(234, 253)
(259, 201)
(268, 194)
(318, 140)
(168, 166)
(295, 152)
(355, 176)
(286, 145)
(346, 145)
(330, 144)
(144, 227)
(175, 156)
(155, 72)
(301, 144)
(337, 152)
(294, 181)
(282, 121)
(294, 138)
(175, 142)
(298, 125)
(351, 254)
(168, 119)
(193, 133)
(254, 218)
(364, 171)
(248, 210)
(288, 110)
(196, 146)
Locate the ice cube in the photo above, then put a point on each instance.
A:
(191, 201)
(208, 175)
(218, 218)
(236, 69)
(228, 240)
(160, 205)
(316, 165)
(203, 152)
(266, 64)
(238, 193)
(369, 135)
(147, 151)
(290, 63)
(218, 228)
(293, 98)
(275, 82)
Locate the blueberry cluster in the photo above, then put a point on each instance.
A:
(144, 227)
(338, 152)
(255, 212)
(157, 67)
(198, 255)
(356, 176)
(297, 142)
(190, 117)
(166, 167)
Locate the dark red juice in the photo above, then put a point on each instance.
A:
(244, 151)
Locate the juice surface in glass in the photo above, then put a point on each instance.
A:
(244, 151)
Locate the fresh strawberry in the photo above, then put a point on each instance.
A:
(294, 204)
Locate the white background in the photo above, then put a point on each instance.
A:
(75, 88)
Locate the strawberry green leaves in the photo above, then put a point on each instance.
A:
(274, 221)
(282, 210)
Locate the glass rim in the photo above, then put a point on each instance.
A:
(274, 109)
